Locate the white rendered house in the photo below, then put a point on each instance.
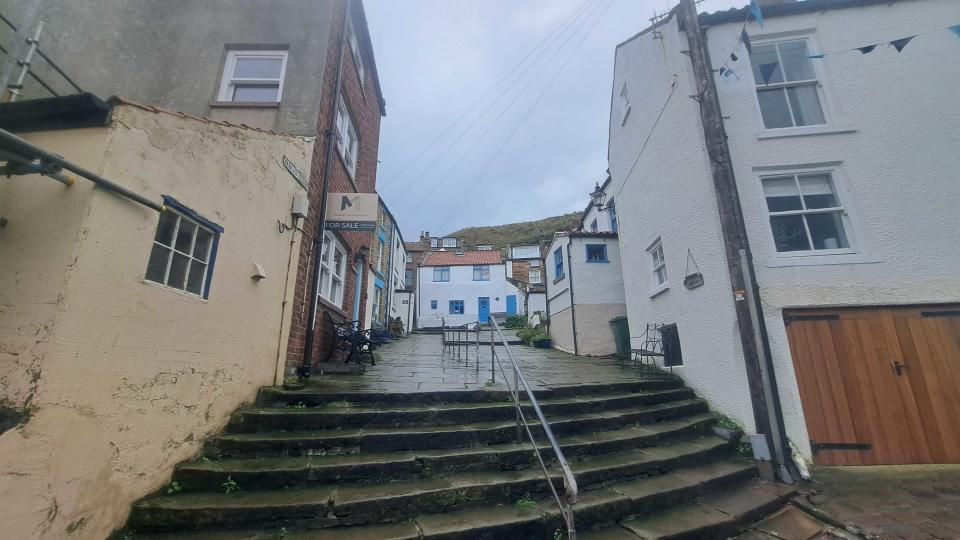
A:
(844, 151)
(463, 287)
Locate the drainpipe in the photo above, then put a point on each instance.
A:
(322, 218)
(573, 304)
(386, 305)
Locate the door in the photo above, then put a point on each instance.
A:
(483, 306)
(511, 304)
(879, 385)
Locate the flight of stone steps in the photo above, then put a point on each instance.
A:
(313, 464)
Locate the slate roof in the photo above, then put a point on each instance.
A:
(467, 258)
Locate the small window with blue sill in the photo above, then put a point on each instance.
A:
(597, 253)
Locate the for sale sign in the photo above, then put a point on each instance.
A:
(351, 211)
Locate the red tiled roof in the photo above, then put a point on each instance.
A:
(467, 258)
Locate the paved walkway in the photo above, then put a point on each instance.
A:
(892, 501)
(418, 363)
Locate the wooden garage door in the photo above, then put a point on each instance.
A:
(879, 385)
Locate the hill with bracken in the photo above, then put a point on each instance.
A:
(527, 232)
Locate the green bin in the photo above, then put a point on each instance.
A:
(621, 335)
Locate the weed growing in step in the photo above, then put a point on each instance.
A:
(297, 405)
(174, 488)
(283, 532)
(558, 534)
(339, 405)
(726, 421)
(488, 384)
(525, 502)
(204, 459)
(230, 486)
(745, 449)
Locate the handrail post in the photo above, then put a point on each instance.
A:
(493, 358)
(478, 348)
(516, 399)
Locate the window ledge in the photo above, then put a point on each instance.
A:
(559, 278)
(245, 104)
(660, 289)
(181, 292)
(333, 307)
(803, 131)
(818, 260)
(589, 261)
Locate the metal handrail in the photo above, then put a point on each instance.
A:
(571, 494)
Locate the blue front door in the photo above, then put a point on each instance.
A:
(483, 303)
(511, 304)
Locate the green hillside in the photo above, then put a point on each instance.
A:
(527, 232)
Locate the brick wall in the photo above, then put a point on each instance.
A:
(364, 104)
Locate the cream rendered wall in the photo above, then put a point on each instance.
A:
(561, 330)
(598, 295)
(672, 198)
(892, 134)
(132, 376)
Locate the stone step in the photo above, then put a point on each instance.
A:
(277, 473)
(312, 396)
(364, 504)
(335, 509)
(340, 415)
(346, 441)
(715, 518)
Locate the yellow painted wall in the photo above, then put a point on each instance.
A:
(127, 377)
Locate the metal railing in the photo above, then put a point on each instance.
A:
(571, 494)
(457, 341)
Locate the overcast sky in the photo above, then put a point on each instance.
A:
(437, 58)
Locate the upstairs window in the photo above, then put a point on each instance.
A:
(450, 242)
(787, 85)
(441, 273)
(434, 242)
(535, 263)
(534, 277)
(183, 253)
(456, 307)
(558, 262)
(433, 304)
(481, 272)
(625, 106)
(355, 52)
(408, 258)
(659, 264)
(805, 213)
(597, 253)
(253, 76)
(333, 267)
(408, 277)
(347, 140)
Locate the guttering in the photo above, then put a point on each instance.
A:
(19, 148)
(322, 218)
(573, 304)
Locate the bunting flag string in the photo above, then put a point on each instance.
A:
(768, 70)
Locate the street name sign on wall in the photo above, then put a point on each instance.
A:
(352, 212)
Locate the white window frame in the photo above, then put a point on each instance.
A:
(449, 242)
(434, 242)
(625, 106)
(228, 82)
(659, 279)
(348, 150)
(535, 263)
(484, 272)
(330, 276)
(535, 280)
(439, 271)
(836, 183)
(355, 51)
(816, 83)
(191, 256)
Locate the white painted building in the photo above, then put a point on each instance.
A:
(584, 291)
(849, 191)
(463, 287)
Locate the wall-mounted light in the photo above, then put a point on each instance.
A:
(363, 252)
(598, 197)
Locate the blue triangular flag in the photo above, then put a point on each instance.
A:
(766, 71)
(867, 49)
(956, 30)
(722, 69)
(733, 57)
(755, 11)
(746, 40)
(901, 43)
(816, 56)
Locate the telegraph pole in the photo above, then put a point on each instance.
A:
(760, 376)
